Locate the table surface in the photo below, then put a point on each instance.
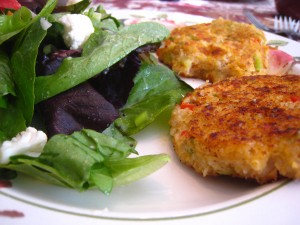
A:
(228, 9)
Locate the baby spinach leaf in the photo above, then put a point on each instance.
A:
(113, 173)
(114, 47)
(78, 7)
(6, 83)
(12, 120)
(10, 25)
(156, 88)
(87, 159)
(18, 112)
(23, 64)
(131, 169)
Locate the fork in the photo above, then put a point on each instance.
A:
(283, 32)
(287, 25)
(250, 16)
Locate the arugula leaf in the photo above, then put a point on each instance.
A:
(156, 88)
(114, 47)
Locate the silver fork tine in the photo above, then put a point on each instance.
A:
(296, 27)
(285, 23)
(276, 23)
(291, 23)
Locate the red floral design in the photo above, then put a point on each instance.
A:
(5, 184)
(11, 213)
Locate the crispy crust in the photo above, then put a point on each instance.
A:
(245, 127)
(215, 50)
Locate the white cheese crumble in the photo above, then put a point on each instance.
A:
(29, 142)
(77, 29)
(45, 24)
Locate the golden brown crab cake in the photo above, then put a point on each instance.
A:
(217, 50)
(246, 127)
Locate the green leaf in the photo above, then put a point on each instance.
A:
(82, 160)
(156, 89)
(12, 120)
(76, 8)
(11, 25)
(106, 146)
(132, 169)
(3, 102)
(23, 63)
(21, 19)
(102, 178)
(114, 47)
(68, 159)
(112, 131)
(6, 83)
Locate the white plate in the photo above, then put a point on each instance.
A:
(174, 194)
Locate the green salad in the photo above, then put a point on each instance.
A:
(86, 158)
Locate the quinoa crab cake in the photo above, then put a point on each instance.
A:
(217, 50)
(247, 127)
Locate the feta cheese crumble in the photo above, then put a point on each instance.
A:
(77, 29)
(45, 24)
(29, 142)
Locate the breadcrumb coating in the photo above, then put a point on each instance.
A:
(246, 127)
(217, 50)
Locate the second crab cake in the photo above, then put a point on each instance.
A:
(246, 127)
(217, 50)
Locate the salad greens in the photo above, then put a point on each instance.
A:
(112, 47)
(156, 89)
(84, 159)
(11, 25)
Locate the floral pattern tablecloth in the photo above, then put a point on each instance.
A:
(228, 9)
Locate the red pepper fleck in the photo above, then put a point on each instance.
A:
(184, 133)
(184, 105)
(295, 98)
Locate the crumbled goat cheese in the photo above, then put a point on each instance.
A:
(45, 24)
(29, 142)
(77, 29)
